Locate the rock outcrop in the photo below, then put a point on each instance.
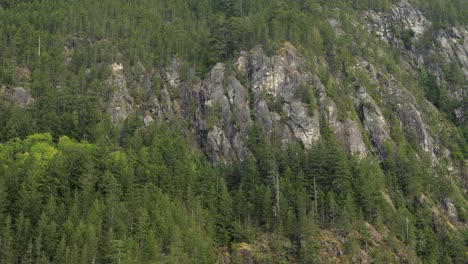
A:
(440, 46)
(269, 91)
(17, 95)
(452, 45)
(403, 104)
(120, 105)
(347, 132)
(267, 97)
(403, 16)
(372, 119)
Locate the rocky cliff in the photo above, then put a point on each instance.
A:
(287, 95)
(287, 99)
(272, 91)
(392, 90)
(427, 47)
(256, 89)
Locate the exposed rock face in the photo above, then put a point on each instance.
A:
(304, 126)
(215, 117)
(224, 108)
(403, 16)
(260, 89)
(280, 77)
(451, 44)
(264, 90)
(238, 98)
(410, 18)
(272, 83)
(413, 122)
(404, 105)
(451, 209)
(347, 132)
(18, 94)
(121, 103)
(147, 120)
(372, 119)
(217, 145)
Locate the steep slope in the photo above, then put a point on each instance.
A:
(245, 139)
(370, 108)
(289, 101)
(442, 51)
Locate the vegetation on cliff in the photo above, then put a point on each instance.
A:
(77, 186)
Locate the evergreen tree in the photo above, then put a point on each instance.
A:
(224, 213)
(7, 253)
(217, 50)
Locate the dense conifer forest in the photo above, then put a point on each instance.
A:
(77, 188)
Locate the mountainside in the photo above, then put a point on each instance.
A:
(286, 96)
(204, 131)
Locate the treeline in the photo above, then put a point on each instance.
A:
(199, 31)
(157, 200)
(60, 50)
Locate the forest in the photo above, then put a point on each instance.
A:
(157, 200)
(76, 188)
